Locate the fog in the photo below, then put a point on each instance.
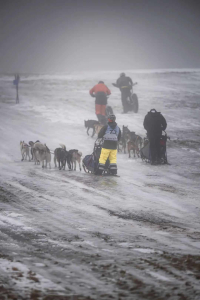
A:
(64, 36)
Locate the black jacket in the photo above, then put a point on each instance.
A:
(109, 144)
(154, 123)
(101, 98)
(124, 81)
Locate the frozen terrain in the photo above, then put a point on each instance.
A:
(71, 235)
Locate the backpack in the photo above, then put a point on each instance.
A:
(89, 163)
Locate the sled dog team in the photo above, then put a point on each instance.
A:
(129, 139)
(40, 153)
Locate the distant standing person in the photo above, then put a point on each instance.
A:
(124, 83)
(100, 91)
(154, 123)
(16, 83)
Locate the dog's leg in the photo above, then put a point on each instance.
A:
(55, 161)
(23, 155)
(59, 165)
(93, 132)
(79, 164)
(88, 131)
(29, 155)
(26, 154)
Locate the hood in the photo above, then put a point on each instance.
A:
(112, 124)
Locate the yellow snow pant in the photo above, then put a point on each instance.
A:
(108, 153)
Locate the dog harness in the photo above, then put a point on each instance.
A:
(111, 134)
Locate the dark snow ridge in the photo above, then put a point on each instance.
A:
(65, 234)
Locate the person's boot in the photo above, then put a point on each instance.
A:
(113, 169)
(100, 169)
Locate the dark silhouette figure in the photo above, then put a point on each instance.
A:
(16, 83)
(154, 123)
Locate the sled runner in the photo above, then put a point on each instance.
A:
(90, 162)
(146, 154)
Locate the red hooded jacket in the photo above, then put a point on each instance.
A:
(100, 87)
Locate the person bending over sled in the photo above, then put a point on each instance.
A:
(111, 134)
(154, 123)
(100, 91)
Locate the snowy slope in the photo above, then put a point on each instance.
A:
(71, 233)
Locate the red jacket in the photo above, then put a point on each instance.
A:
(100, 87)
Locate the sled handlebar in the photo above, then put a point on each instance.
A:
(115, 85)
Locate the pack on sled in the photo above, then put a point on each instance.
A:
(90, 162)
(146, 153)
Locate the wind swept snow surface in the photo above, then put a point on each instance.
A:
(71, 235)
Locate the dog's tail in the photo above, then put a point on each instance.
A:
(47, 149)
(63, 146)
(80, 153)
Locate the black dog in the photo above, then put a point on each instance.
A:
(62, 156)
(90, 124)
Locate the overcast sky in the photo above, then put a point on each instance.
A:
(61, 36)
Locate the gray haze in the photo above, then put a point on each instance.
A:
(62, 36)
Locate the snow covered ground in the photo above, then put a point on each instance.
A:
(71, 235)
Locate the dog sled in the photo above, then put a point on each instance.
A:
(109, 110)
(133, 103)
(131, 100)
(145, 152)
(90, 162)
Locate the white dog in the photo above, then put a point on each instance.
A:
(24, 150)
(42, 154)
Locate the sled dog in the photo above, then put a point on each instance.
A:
(90, 124)
(133, 144)
(42, 154)
(61, 155)
(75, 156)
(98, 127)
(31, 143)
(24, 148)
(124, 139)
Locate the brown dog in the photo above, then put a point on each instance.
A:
(133, 146)
(75, 156)
(134, 143)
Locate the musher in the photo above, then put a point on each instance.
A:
(111, 135)
(154, 123)
(124, 83)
